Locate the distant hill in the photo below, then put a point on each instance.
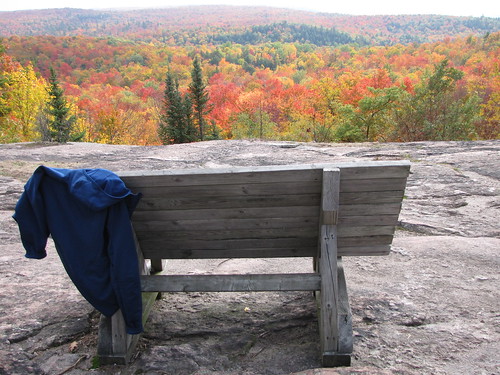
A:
(244, 25)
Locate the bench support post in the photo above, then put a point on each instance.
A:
(115, 346)
(335, 317)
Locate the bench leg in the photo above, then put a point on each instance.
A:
(115, 346)
(345, 316)
(335, 315)
(342, 357)
(157, 266)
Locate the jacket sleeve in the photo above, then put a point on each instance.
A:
(30, 217)
(125, 266)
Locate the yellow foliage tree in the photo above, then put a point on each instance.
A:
(28, 96)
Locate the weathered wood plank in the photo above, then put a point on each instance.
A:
(207, 176)
(262, 233)
(291, 222)
(209, 235)
(180, 203)
(184, 203)
(240, 190)
(375, 184)
(344, 312)
(262, 212)
(210, 224)
(278, 188)
(328, 318)
(330, 196)
(341, 356)
(370, 197)
(363, 231)
(377, 220)
(265, 252)
(231, 283)
(218, 176)
(373, 250)
(364, 170)
(370, 209)
(226, 213)
(231, 244)
(245, 248)
(327, 261)
(364, 241)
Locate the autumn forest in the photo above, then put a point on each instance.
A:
(200, 73)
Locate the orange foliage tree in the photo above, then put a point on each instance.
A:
(300, 92)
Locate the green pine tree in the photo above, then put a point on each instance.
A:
(199, 97)
(61, 122)
(176, 122)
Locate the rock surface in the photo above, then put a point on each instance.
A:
(431, 307)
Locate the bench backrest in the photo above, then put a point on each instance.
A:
(264, 212)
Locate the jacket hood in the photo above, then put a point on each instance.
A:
(98, 189)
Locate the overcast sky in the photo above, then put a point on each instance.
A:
(488, 8)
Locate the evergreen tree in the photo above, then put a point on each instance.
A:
(187, 108)
(176, 122)
(199, 98)
(61, 123)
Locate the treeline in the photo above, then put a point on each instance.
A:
(288, 33)
(116, 89)
(282, 32)
(205, 25)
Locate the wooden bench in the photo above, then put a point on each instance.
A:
(318, 211)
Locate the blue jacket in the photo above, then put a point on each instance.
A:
(87, 213)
